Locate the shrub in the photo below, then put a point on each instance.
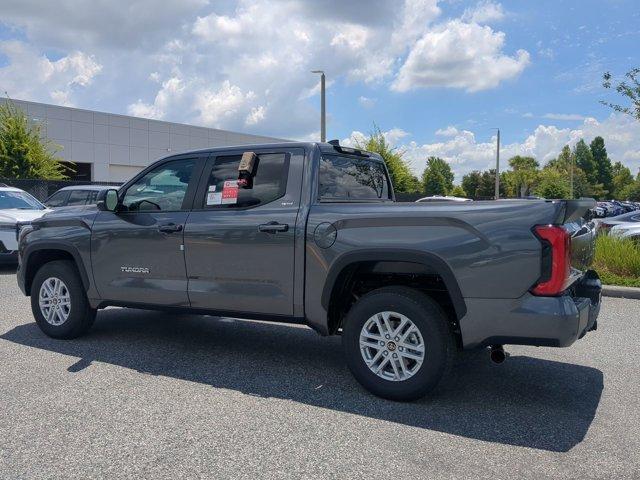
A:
(617, 260)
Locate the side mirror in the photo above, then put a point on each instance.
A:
(107, 200)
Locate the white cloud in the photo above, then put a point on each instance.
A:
(173, 62)
(256, 115)
(459, 55)
(34, 76)
(484, 12)
(564, 116)
(366, 102)
(450, 131)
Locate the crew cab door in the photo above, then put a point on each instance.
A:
(240, 243)
(137, 251)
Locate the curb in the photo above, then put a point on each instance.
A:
(620, 292)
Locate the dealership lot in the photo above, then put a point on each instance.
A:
(156, 395)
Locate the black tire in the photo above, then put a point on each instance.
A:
(431, 321)
(80, 317)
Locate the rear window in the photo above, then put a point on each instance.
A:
(349, 178)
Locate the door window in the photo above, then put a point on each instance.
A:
(269, 182)
(57, 199)
(77, 197)
(163, 188)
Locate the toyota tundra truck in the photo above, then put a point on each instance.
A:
(311, 233)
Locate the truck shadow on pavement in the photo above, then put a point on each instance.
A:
(527, 401)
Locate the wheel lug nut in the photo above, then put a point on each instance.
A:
(397, 339)
(382, 344)
(395, 355)
(387, 336)
(401, 349)
(385, 353)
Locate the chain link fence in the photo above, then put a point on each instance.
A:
(43, 189)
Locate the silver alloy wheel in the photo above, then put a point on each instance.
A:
(392, 346)
(55, 301)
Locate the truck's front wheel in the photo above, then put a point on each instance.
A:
(59, 302)
(397, 343)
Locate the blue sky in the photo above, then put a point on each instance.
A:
(436, 76)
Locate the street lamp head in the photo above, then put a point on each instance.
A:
(317, 71)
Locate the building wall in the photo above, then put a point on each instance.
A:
(118, 146)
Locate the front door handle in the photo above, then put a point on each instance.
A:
(273, 227)
(170, 228)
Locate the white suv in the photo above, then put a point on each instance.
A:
(17, 207)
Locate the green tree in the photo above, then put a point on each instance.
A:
(585, 161)
(629, 88)
(522, 177)
(23, 154)
(437, 177)
(458, 191)
(553, 183)
(581, 185)
(401, 176)
(622, 179)
(631, 191)
(603, 164)
(470, 183)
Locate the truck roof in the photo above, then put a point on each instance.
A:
(324, 147)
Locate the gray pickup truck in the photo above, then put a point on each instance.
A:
(311, 233)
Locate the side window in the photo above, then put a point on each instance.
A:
(77, 197)
(58, 199)
(93, 196)
(269, 182)
(162, 188)
(348, 178)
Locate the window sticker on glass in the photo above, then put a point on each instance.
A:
(213, 197)
(230, 192)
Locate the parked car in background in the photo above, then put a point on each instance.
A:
(626, 230)
(17, 208)
(77, 196)
(630, 217)
(440, 198)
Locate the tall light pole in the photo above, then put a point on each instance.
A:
(497, 192)
(323, 118)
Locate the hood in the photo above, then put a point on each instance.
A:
(16, 215)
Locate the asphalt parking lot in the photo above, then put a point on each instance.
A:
(153, 395)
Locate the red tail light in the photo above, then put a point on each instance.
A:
(556, 260)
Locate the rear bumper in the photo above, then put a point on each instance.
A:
(530, 320)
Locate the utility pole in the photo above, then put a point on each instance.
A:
(323, 118)
(498, 166)
(573, 159)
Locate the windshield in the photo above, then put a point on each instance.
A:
(348, 178)
(19, 200)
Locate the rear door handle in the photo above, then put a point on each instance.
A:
(170, 228)
(273, 227)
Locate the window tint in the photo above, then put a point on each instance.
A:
(77, 197)
(163, 188)
(58, 199)
(93, 197)
(269, 182)
(352, 179)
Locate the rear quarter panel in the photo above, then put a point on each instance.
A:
(488, 246)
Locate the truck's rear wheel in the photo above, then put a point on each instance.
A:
(59, 302)
(397, 343)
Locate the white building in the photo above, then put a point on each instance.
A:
(112, 148)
